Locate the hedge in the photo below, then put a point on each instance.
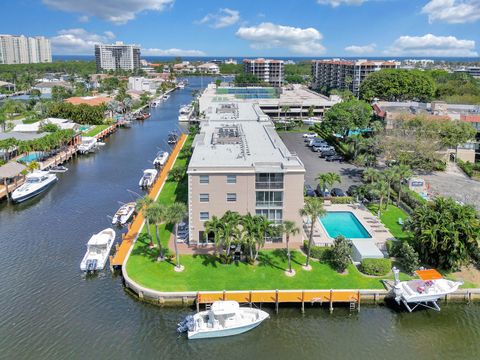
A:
(342, 200)
(320, 253)
(376, 267)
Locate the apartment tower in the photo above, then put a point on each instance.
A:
(24, 50)
(118, 56)
(269, 71)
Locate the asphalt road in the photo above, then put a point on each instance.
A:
(314, 165)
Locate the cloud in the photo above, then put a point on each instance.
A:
(222, 18)
(431, 45)
(83, 19)
(171, 52)
(361, 49)
(78, 41)
(297, 40)
(116, 11)
(452, 11)
(335, 3)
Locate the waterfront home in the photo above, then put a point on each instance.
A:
(208, 68)
(63, 124)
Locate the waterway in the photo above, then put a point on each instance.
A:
(49, 310)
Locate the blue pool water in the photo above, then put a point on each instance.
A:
(344, 223)
(33, 156)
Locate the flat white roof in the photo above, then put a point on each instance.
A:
(239, 135)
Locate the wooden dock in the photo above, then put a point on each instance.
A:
(106, 132)
(136, 226)
(59, 158)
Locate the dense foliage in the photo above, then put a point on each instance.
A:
(244, 79)
(408, 258)
(376, 267)
(456, 87)
(81, 114)
(340, 254)
(231, 68)
(348, 115)
(398, 85)
(446, 234)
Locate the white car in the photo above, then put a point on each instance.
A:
(309, 135)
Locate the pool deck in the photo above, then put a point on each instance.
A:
(370, 222)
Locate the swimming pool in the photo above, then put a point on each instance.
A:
(344, 223)
(33, 156)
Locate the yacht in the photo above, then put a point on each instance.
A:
(155, 103)
(88, 144)
(35, 183)
(181, 85)
(430, 287)
(224, 318)
(123, 214)
(185, 113)
(98, 250)
(161, 158)
(166, 97)
(148, 178)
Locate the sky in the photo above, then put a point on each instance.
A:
(353, 28)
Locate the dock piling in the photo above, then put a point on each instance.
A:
(276, 301)
(331, 301)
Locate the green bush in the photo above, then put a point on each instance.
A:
(340, 254)
(342, 200)
(321, 253)
(392, 247)
(408, 258)
(376, 267)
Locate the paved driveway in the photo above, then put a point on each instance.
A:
(314, 165)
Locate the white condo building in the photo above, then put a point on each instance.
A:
(118, 56)
(20, 49)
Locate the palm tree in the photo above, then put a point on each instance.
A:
(289, 228)
(33, 166)
(328, 179)
(214, 226)
(263, 228)
(389, 175)
(370, 174)
(141, 205)
(403, 172)
(156, 213)
(230, 221)
(313, 209)
(380, 189)
(175, 213)
(285, 110)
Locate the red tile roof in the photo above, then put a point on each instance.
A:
(89, 100)
(470, 118)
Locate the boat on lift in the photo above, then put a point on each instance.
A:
(424, 291)
(123, 215)
(148, 178)
(161, 158)
(87, 145)
(185, 112)
(57, 169)
(223, 318)
(98, 250)
(35, 183)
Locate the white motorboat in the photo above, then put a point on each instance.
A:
(88, 144)
(148, 178)
(161, 158)
(155, 103)
(224, 318)
(166, 97)
(185, 113)
(98, 250)
(430, 287)
(123, 214)
(35, 183)
(58, 169)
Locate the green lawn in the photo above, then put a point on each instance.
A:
(389, 218)
(97, 129)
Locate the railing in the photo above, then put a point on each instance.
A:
(269, 204)
(268, 185)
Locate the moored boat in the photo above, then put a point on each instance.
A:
(35, 183)
(426, 290)
(58, 169)
(172, 138)
(98, 249)
(161, 158)
(88, 144)
(123, 215)
(148, 178)
(224, 318)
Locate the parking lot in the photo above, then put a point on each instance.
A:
(314, 165)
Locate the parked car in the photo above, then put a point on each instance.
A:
(322, 148)
(308, 191)
(337, 192)
(320, 192)
(352, 190)
(309, 136)
(334, 158)
(324, 154)
(317, 142)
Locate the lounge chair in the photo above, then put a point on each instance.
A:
(400, 221)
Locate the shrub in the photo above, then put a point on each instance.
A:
(408, 258)
(321, 253)
(340, 254)
(393, 247)
(342, 200)
(376, 267)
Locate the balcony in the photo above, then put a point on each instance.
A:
(267, 185)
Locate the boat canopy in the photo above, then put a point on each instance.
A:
(429, 274)
(224, 307)
(100, 239)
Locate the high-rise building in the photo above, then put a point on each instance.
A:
(19, 49)
(269, 71)
(117, 56)
(346, 75)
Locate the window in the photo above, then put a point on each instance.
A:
(231, 179)
(204, 216)
(231, 197)
(269, 181)
(269, 199)
(204, 179)
(204, 197)
(275, 216)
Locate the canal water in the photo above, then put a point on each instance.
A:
(49, 310)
